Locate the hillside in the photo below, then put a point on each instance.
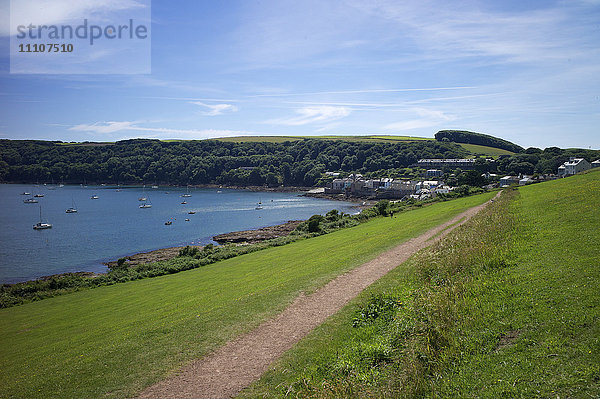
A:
(302, 162)
(472, 149)
(507, 307)
(113, 341)
(281, 139)
(290, 163)
(466, 137)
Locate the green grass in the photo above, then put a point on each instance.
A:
(550, 297)
(484, 150)
(114, 341)
(526, 268)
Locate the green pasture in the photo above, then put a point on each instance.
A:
(113, 341)
(484, 150)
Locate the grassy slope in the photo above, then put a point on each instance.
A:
(113, 341)
(536, 280)
(550, 297)
(481, 149)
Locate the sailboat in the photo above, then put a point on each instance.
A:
(41, 225)
(146, 204)
(187, 192)
(30, 200)
(72, 209)
(259, 205)
(143, 197)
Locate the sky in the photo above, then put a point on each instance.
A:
(525, 71)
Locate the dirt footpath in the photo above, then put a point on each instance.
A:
(242, 361)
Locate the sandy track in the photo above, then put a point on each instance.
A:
(242, 361)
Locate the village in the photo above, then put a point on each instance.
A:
(436, 173)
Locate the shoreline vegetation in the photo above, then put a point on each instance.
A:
(176, 259)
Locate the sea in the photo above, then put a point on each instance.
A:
(113, 225)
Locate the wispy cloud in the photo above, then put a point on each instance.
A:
(109, 128)
(104, 127)
(215, 109)
(364, 91)
(427, 118)
(308, 115)
(455, 30)
(403, 104)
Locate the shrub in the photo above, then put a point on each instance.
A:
(382, 207)
(314, 223)
(189, 251)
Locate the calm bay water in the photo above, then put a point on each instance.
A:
(114, 226)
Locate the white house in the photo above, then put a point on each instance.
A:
(429, 184)
(525, 180)
(596, 163)
(442, 190)
(573, 166)
(508, 180)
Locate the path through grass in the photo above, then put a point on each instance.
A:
(506, 307)
(113, 341)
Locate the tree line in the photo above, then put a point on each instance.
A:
(291, 163)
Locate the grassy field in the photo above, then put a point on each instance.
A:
(484, 150)
(506, 307)
(113, 341)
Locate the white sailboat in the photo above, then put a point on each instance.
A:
(41, 225)
(187, 192)
(30, 200)
(146, 204)
(72, 209)
(143, 197)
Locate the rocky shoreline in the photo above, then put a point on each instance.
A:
(235, 237)
(148, 257)
(257, 235)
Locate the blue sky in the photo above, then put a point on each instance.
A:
(524, 71)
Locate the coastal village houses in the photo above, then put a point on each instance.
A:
(573, 166)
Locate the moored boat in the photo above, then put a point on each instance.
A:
(41, 225)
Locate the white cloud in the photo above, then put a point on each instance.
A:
(215, 109)
(428, 118)
(109, 128)
(104, 127)
(317, 114)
